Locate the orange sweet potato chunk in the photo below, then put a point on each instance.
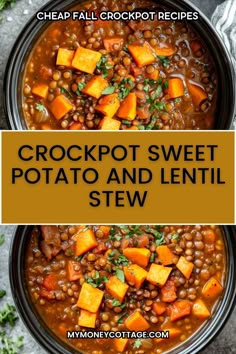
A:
(90, 298)
(120, 344)
(139, 256)
(164, 51)
(108, 123)
(111, 42)
(60, 106)
(135, 275)
(158, 274)
(142, 54)
(85, 241)
(165, 255)
(185, 267)
(109, 105)
(173, 333)
(197, 93)
(40, 90)
(175, 88)
(200, 310)
(212, 288)
(136, 322)
(64, 57)
(159, 308)
(87, 319)
(127, 109)
(116, 288)
(86, 60)
(95, 86)
(74, 271)
(179, 309)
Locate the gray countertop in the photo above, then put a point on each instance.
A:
(13, 21)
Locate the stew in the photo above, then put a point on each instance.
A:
(119, 75)
(119, 278)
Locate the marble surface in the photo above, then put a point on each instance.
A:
(12, 22)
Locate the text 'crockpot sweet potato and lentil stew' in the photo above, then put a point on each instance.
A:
(118, 75)
(119, 278)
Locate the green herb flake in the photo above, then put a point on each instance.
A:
(120, 275)
(40, 107)
(8, 315)
(2, 293)
(152, 258)
(5, 3)
(175, 236)
(9, 345)
(166, 84)
(65, 91)
(164, 61)
(96, 280)
(109, 90)
(121, 319)
(103, 67)
(137, 343)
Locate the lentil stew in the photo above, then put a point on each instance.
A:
(136, 278)
(137, 75)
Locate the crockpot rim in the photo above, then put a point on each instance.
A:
(14, 116)
(39, 332)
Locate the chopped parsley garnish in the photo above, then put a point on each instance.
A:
(166, 84)
(120, 275)
(152, 258)
(116, 303)
(121, 319)
(125, 49)
(126, 122)
(164, 61)
(8, 315)
(9, 345)
(103, 67)
(81, 85)
(5, 3)
(137, 343)
(159, 236)
(65, 91)
(124, 90)
(96, 280)
(108, 90)
(175, 236)
(2, 293)
(40, 107)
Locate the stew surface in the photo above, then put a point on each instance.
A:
(114, 75)
(136, 278)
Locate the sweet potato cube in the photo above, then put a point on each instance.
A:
(179, 309)
(86, 60)
(74, 271)
(109, 105)
(85, 241)
(158, 274)
(120, 344)
(95, 86)
(136, 322)
(87, 319)
(164, 51)
(60, 106)
(200, 310)
(185, 267)
(165, 255)
(159, 308)
(197, 93)
(111, 42)
(175, 88)
(173, 333)
(135, 275)
(108, 123)
(90, 298)
(64, 57)
(168, 291)
(40, 90)
(105, 229)
(127, 109)
(116, 288)
(50, 282)
(142, 54)
(139, 256)
(212, 288)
